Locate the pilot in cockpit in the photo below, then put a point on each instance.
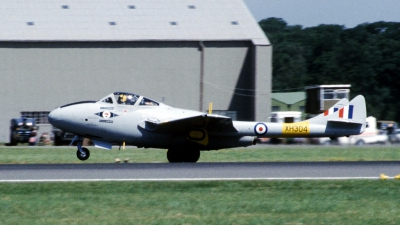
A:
(122, 99)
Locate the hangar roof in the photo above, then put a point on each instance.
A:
(123, 20)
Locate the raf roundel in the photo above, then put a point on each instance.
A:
(260, 129)
(106, 114)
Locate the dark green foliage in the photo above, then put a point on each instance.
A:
(366, 56)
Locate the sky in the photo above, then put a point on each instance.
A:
(309, 13)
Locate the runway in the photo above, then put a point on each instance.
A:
(197, 171)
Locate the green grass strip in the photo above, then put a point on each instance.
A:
(233, 202)
(262, 153)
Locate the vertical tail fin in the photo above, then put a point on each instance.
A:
(358, 111)
(344, 112)
(340, 104)
(354, 112)
(322, 118)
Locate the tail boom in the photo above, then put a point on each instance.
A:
(343, 119)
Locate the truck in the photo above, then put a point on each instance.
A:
(23, 130)
(371, 135)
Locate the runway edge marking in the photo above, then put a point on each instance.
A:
(188, 179)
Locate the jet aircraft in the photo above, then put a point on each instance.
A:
(125, 118)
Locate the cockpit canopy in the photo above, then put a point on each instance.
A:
(125, 98)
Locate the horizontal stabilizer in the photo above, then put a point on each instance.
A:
(343, 121)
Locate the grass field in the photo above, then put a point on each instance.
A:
(233, 202)
(212, 202)
(260, 153)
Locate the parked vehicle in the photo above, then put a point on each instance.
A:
(23, 130)
(394, 137)
(285, 117)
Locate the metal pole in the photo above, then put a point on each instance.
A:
(201, 44)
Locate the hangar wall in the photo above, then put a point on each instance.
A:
(263, 81)
(226, 71)
(39, 76)
(238, 78)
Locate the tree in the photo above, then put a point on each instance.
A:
(366, 56)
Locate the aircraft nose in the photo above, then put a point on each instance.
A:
(54, 116)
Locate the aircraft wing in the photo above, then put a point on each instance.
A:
(208, 122)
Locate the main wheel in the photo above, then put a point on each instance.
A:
(192, 156)
(174, 156)
(84, 154)
(179, 155)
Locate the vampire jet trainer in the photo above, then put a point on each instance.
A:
(126, 118)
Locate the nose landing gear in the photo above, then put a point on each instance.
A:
(82, 153)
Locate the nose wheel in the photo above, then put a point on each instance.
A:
(82, 153)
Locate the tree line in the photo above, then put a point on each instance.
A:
(366, 56)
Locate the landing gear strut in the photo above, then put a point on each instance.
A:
(180, 155)
(82, 153)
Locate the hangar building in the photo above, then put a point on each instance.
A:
(185, 53)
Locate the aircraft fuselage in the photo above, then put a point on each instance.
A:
(125, 118)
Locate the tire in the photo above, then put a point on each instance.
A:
(174, 156)
(180, 156)
(192, 156)
(360, 143)
(13, 142)
(84, 155)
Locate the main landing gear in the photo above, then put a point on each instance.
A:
(82, 153)
(181, 155)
